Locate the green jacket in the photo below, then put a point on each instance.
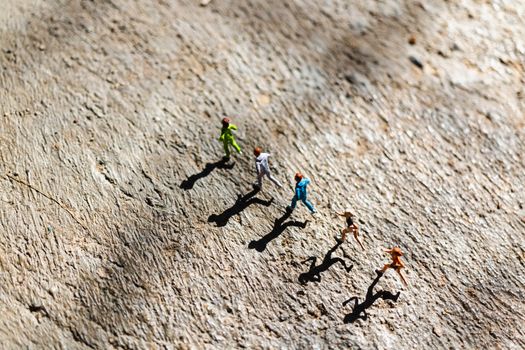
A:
(226, 133)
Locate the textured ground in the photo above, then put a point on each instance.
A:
(108, 107)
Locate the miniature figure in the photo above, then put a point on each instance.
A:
(227, 137)
(396, 263)
(350, 227)
(300, 193)
(262, 168)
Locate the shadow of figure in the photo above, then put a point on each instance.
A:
(240, 204)
(278, 227)
(314, 273)
(370, 299)
(190, 181)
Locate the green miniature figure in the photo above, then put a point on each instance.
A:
(227, 137)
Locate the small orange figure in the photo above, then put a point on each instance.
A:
(396, 263)
(350, 227)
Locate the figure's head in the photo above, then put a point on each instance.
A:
(257, 151)
(298, 177)
(225, 121)
(349, 213)
(396, 251)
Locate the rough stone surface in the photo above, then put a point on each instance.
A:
(108, 106)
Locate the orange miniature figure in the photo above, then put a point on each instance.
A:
(396, 263)
(350, 227)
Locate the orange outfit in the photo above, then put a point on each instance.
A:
(396, 263)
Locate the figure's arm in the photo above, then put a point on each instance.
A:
(257, 167)
(232, 127)
(306, 181)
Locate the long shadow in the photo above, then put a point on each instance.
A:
(359, 310)
(190, 181)
(278, 227)
(241, 203)
(314, 273)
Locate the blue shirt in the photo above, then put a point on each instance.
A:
(300, 188)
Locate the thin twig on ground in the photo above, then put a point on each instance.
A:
(47, 196)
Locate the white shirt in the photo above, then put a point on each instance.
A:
(261, 163)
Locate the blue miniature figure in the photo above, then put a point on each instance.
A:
(300, 193)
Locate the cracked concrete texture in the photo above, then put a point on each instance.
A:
(108, 106)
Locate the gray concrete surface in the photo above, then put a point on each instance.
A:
(108, 106)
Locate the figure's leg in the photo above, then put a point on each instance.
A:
(356, 236)
(226, 148)
(273, 179)
(236, 146)
(259, 180)
(308, 205)
(402, 277)
(294, 202)
(343, 233)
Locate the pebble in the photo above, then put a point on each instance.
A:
(263, 100)
(351, 78)
(416, 62)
